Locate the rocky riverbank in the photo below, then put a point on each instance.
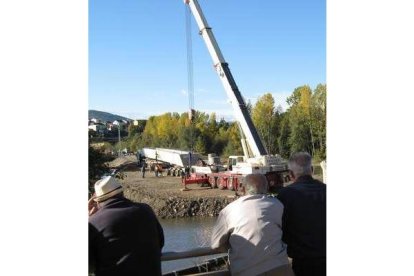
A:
(181, 207)
(174, 206)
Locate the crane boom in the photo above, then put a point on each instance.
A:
(222, 68)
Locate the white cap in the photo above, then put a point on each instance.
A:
(107, 187)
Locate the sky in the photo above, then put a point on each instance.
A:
(138, 55)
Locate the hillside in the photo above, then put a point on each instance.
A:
(105, 116)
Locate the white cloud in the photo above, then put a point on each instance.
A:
(183, 92)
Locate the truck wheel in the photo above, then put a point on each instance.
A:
(221, 183)
(213, 181)
(230, 185)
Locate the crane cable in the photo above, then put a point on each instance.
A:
(190, 77)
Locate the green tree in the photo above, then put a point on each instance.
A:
(96, 167)
(265, 121)
(233, 145)
(249, 107)
(277, 121)
(318, 120)
(119, 146)
(136, 128)
(283, 139)
(301, 138)
(200, 145)
(132, 130)
(134, 142)
(92, 133)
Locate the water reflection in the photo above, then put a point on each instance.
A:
(185, 234)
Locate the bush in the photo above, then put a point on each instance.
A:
(97, 166)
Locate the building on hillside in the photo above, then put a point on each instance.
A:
(140, 124)
(96, 121)
(122, 124)
(109, 126)
(98, 128)
(116, 122)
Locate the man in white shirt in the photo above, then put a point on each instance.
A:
(251, 228)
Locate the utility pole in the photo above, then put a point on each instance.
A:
(119, 138)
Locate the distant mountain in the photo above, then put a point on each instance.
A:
(105, 116)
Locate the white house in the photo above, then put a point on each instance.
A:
(123, 124)
(96, 121)
(99, 128)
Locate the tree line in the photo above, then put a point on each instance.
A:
(302, 127)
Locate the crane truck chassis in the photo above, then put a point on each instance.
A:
(256, 158)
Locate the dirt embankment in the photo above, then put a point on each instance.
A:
(164, 194)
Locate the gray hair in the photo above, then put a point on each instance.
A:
(300, 163)
(255, 184)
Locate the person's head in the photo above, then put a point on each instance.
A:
(300, 163)
(106, 188)
(255, 184)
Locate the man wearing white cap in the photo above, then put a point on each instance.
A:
(125, 238)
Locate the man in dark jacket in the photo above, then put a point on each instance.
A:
(304, 218)
(125, 238)
(143, 169)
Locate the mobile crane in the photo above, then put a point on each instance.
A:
(256, 158)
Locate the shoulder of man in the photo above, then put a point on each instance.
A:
(307, 179)
(274, 198)
(289, 191)
(143, 207)
(232, 205)
(316, 181)
(295, 189)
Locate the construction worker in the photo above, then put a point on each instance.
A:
(143, 169)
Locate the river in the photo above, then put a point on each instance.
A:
(184, 234)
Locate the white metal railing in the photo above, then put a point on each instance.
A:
(196, 252)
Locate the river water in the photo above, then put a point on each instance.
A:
(184, 234)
